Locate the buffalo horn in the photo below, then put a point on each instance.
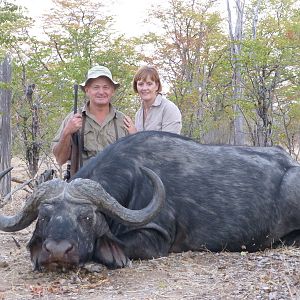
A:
(95, 193)
(29, 212)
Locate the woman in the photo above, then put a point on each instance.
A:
(156, 112)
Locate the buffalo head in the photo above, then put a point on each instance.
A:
(73, 222)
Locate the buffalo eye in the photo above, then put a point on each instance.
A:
(45, 213)
(85, 218)
(44, 218)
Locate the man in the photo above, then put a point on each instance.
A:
(99, 123)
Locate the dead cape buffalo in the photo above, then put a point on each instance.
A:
(196, 197)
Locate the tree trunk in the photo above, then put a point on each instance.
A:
(5, 130)
(236, 39)
(32, 145)
(265, 94)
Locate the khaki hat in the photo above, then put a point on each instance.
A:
(96, 72)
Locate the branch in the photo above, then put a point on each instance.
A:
(8, 196)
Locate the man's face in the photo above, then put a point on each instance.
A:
(100, 90)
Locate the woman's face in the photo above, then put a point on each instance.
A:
(147, 89)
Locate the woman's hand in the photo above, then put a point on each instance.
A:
(128, 124)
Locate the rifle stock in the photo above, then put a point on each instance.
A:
(75, 151)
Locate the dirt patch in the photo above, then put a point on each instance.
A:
(271, 274)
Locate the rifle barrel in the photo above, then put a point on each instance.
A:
(75, 98)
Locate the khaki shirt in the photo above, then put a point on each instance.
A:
(97, 136)
(163, 115)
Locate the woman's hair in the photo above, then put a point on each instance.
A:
(143, 73)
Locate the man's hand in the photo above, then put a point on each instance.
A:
(62, 150)
(74, 124)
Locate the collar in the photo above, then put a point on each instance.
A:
(158, 100)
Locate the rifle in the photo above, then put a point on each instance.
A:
(75, 144)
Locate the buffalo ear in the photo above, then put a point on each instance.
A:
(35, 247)
(110, 253)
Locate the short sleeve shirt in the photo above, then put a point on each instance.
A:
(163, 115)
(97, 136)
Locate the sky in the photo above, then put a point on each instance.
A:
(130, 14)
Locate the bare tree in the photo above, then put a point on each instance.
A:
(265, 92)
(29, 129)
(189, 58)
(236, 44)
(5, 131)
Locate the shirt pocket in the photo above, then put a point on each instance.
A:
(90, 143)
(110, 137)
